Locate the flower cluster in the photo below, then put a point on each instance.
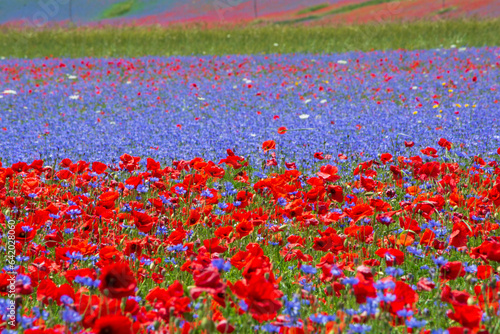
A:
(290, 194)
(406, 241)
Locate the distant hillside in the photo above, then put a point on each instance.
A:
(164, 12)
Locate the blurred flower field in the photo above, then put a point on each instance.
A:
(285, 193)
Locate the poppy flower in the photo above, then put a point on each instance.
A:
(24, 233)
(430, 151)
(484, 271)
(360, 211)
(282, 130)
(328, 173)
(409, 143)
(452, 270)
(224, 327)
(244, 228)
(117, 281)
(143, 221)
(335, 193)
(391, 255)
(322, 244)
(99, 167)
(268, 145)
(260, 296)
(319, 155)
(385, 158)
(444, 143)
(64, 174)
(468, 316)
(113, 324)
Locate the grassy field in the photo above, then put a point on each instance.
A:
(141, 41)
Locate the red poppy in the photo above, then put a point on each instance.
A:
(143, 221)
(385, 158)
(224, 327)
(244, 228)
(364, 289)
(64, 174)
(261, 297)
(452, 270)
(117, 281)
(24, 233)
(113, 324)
(268, 145)
(282, 130)
(319, 155)
(484, 271)
(360, 211)
(99, 167)
(335, 193)
(425, 284)
(322, 244)
(444, 143)
(409, 143)
(360, 233)
(328, 173)
(391, 255)
(468, 316)
(430, 151)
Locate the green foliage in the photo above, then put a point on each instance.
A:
(340, 10)
(314, 8)
(118, 9)
(446, 10)
(143, 41)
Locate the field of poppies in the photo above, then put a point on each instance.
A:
(281, 193)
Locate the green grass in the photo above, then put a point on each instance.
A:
(314, 8)
(446, 10)
(118, 9)
(142, 41)
(340, 10)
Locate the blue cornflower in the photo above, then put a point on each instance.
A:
(414, 323)
(359, 328)
(243, 305)
(207, 193)
(336, 271)
(281, 201)
(350, 281)
(75, 256)
(27, 229)
(471, 269)
(440, 261)
(71, 316)
(404, 313)
(388, 298)
(322, 318)
(221, 265)
(66, 300)
(308, 269)
(383, 285)
(177, 248)
(270, 328)
(26, 280)
(393, 271)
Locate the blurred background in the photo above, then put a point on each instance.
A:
(165, 12)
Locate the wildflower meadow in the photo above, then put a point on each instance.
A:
(354, 192)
